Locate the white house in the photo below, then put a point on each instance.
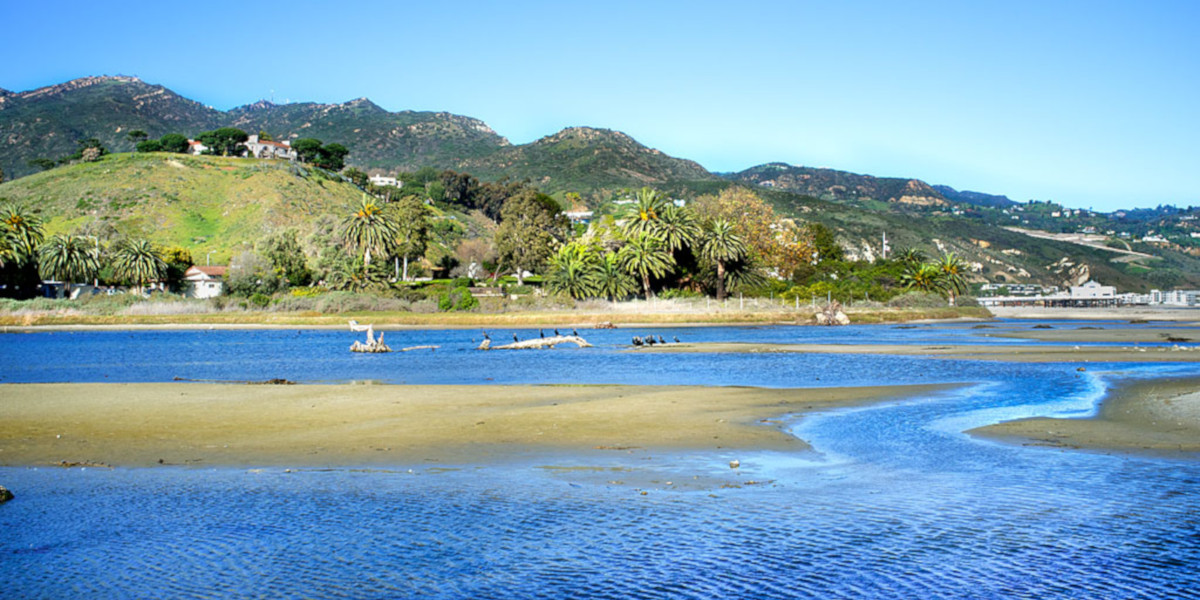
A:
(268, 149)
(382, 180)
(1091, 289)
(196, 148)
(205, 282)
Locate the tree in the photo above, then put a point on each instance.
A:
(369, 229)
(573, 271)
(531, 224)
(22, 231)
(149, 146)
(333, 157)
(179, 260)
(923, 277)
(137, 136)
(676, 227)
(357, 177)
(721, 246)
(174, 142)
(612, 280)
(909, 256)
(287, 258)
(648, 211)
(412, 229)
(953, 275)
(308, 150)
(138, 261)
(69, 259)
(44, 164)
(646, 256)
(226, 141)
(251, 273)
(774, 242)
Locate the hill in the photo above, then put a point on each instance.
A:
(584, 159)
(206, 204)
(840, 186)
(976, 198)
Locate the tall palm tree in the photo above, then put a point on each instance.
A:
(909, 256)
(573, 271)
(69, 258)
(369, 229)
(138, 261)
(676, 227)
(22, 232)
(923, 277)
(612, 280)
(646, 257)
(953, 275)
(650, 206)
(720, 246)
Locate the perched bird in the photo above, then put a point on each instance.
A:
(556, 333)
(515, 338)
(637, 341)
(661, 340)
(574, 333)
(676, 338)
(485, 336)
(649, 340)
(541, 334)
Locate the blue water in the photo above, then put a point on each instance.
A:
(894, 501)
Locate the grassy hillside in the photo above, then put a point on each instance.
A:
(200, 203)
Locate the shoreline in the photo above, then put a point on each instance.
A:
(1160, 417)
(1006, 353)
(200, 424)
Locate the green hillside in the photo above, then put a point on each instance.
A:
(587, 160)
(205, 204)
(840, 186)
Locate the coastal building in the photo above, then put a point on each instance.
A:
(1090, 294)
(268, 149)
(579, 216)
(195, 148)
(205, 282)
(383, 180)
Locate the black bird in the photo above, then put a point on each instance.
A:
(515, 338)
(574, 333)
(649, 340)
(637, 341)
(676, 339)
(661, 340)
(485, 336)
(556, 333)
(541, 334)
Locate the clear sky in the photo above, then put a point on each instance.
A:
(1091, 104)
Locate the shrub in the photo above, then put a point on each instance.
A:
(260, 300)
(458, 299)
(917, 300)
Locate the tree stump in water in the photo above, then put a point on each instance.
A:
(371, 347)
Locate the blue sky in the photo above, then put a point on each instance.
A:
(1092, 104)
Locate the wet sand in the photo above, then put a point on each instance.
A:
(1148, 313)
(361, 425)
(1157, 416)
(1009, 353)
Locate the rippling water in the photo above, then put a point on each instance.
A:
(895, 502)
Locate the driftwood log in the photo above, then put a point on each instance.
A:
(374, 346)
(832, 314)
(549, 342)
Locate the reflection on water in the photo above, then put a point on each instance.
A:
(894, 502)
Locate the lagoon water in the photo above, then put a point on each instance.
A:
(893, 502)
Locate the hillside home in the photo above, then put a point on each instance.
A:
(268, 149)
(205, 282)
(383, 180)
(195, 148)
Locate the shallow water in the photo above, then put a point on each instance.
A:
(894, 502)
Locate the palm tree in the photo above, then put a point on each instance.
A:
(646, 256)
(22, 232)
(369, 228)
(573, 271)
(721, 245)
(612, 281)
(650, 206)
(69, 258)
(953, 269)
(923, 277)
(138, 261)
(676, 227)
(909, 256)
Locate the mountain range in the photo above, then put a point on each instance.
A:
(191, 201)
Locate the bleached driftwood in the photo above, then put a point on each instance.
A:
(549, 342)
(419, 348)
(832, 314)
(373, 346)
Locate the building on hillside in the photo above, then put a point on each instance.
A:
(268, 149)
(195, 148)
(579, 216)
(383, 180)
(205, 282)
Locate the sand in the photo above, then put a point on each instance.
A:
(359, 425)
(1148, 313)
(1158, 417)
(1009, 353)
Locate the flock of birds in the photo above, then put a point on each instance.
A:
(649, 340)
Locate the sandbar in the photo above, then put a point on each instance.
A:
(1006, 352)
(143, 424)
(1161, 416)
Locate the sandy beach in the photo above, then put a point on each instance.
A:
(355, 425)
(1157, 416)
